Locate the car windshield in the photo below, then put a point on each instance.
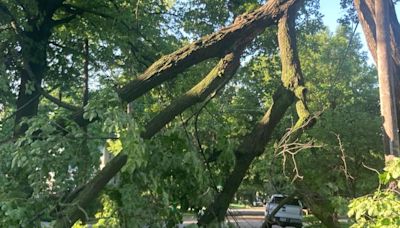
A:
(278, 199)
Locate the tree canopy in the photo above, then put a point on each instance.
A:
(133, 113)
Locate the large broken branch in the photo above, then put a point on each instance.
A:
(292, 76)
(215, 80)
(213, 45)
(254, 143)
(245, 28)
(252, 146)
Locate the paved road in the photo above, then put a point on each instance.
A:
(242, 218)
(240, 221)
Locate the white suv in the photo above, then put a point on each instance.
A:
(290, 214)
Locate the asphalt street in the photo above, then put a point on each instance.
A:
(242, 218)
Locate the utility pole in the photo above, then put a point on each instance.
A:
(386, 79)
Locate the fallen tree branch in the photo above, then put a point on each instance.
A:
(252, 146)
(246, 26)
(254, 143)
(216, 79)
(244, 29)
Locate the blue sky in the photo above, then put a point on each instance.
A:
(331, 11)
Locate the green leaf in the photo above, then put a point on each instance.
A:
(385, 221)
(351, 211)
(358, 214)
(14, 161)
(384, 177)
(371, 210)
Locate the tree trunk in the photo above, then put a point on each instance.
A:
(253, 146)
(254, 143)
(320, 207)
(386, 82)
(34, 54)
(366, 11)
(76, 205)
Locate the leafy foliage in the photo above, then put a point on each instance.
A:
(184, 166)
(381, 208)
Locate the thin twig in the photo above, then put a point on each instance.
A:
(343, 157)
(374, 170)
(288, 148)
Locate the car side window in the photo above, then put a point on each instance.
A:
(276, 200)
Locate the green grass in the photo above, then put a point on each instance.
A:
(312, 222)
(238, 206)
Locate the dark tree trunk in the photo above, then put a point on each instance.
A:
(249, 149)
(320, 207)
(27, 104)
(31, 72)
(34, 42)
(34, 54)
(82, 199)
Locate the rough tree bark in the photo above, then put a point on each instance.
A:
(366, 10)
(218, 44)
(254, 144)
(366, 15)
(386, 80)
(215, 80)
(245, 27)
(75, 206)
